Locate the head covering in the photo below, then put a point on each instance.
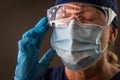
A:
(105, 3)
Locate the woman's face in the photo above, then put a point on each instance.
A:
(86, 14)
(85, 24)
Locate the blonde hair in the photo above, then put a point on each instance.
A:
(113, 58)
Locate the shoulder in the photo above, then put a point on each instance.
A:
(55, 70)
(55, 73)
(116, 77)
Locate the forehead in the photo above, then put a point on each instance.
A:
(77, 6)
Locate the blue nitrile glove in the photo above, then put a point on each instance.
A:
(28, 67)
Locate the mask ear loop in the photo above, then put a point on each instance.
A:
(110, 15)
(104, 49)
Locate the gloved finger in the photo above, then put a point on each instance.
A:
(42, 22)
(41, 28)
(43, 65)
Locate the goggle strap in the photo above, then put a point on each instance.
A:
(111, 16)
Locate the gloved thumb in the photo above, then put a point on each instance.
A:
(41, 68)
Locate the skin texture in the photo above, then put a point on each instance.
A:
(102, 70)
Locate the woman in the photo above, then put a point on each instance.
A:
(83, 30)
(90, 66)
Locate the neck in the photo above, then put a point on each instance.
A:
(102, 70)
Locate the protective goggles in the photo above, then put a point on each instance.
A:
(61, 15)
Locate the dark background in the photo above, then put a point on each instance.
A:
(16, 17)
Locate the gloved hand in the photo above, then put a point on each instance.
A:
(28, 67)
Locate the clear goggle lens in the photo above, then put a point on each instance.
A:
(61, 15)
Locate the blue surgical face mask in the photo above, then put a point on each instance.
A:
(78, 45)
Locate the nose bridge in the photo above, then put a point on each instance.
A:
(77, 17)
(74, 18)
(77, 14)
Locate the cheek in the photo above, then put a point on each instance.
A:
(105, 38)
